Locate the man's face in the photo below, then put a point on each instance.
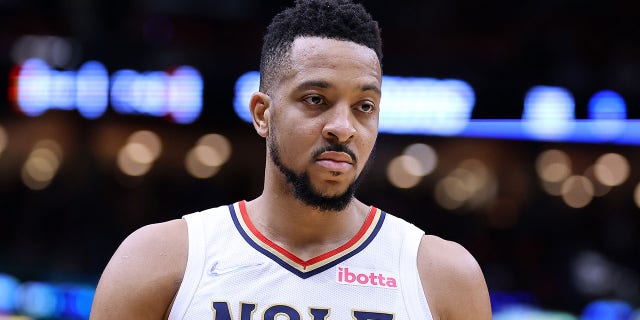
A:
(323, 120)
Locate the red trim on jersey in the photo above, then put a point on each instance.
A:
(293, 257)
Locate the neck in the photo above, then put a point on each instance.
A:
(303, 230)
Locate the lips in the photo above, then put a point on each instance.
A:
(335, 161)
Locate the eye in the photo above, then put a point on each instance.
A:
(366, 107)
(314, 100)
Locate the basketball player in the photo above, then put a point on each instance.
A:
(305, 248)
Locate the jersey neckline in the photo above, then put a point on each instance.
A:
(315, 265)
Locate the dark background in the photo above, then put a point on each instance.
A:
(527, 241)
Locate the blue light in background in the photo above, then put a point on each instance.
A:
(149, 90)
(8, 287)
(62, 89)
(185, 94)
(39, 300)
(77, 301)
(177, 95)
(525, 312)
(607, 310)
(33, 87)
(607, 104)
(92, 86)
(45, 300)
(123, 97)
(425, 105)
(609, 110)
(549, 112)
(246, 85)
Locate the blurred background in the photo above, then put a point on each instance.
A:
(511, 127)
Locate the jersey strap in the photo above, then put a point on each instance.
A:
(289, 261)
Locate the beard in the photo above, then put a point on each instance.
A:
(302, 188)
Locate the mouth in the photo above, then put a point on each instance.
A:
(335, 161)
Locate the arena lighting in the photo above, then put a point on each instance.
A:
(548, 111)
(4, 139)
(610, 109)
(175, 94)
(44, 300)
(57, 51)
(608, 309)
(607, 104)
(427, 106)
(8, 285)
(38, 299)
(527, 312)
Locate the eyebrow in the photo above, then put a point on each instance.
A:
(326, 85)
(370, 87)
(314, 83)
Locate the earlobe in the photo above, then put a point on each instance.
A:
(259, 106)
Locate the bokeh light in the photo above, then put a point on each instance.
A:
(213, 149)
(8, 287)
(553, 167)
(4, 139)
(449, 193)
(599, 189)
(592, 273)
(57, 51)
(43, 300)
(210, 152)
(42, 164)
(426, 157)
(127, 161)
(92, 89)
(38, 299)
(149, 140)
(548, 112)
(636, 195)
(471, 183)
(577, 191)
(401, 172)
(137, 156)
(611, 169)
(197, 168)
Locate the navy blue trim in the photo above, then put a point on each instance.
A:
(284, 264)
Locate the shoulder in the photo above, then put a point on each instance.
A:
(158, 234)
(450, 275)
(144, 273)
(164, 243)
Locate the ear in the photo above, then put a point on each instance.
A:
(259, 106)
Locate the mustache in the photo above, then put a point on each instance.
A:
(336, 148)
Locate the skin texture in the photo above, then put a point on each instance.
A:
(328, 94)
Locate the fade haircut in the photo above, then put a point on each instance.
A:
(332, 19)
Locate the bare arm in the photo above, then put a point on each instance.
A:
(144, 274)
(452, 280)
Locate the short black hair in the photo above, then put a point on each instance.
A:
(333, 19)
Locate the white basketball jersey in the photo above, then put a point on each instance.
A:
(235, 273)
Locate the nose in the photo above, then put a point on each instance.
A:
(339, 126)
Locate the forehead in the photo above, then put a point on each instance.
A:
(323, 57)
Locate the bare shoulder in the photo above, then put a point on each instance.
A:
(452, 280)
(144, 274)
